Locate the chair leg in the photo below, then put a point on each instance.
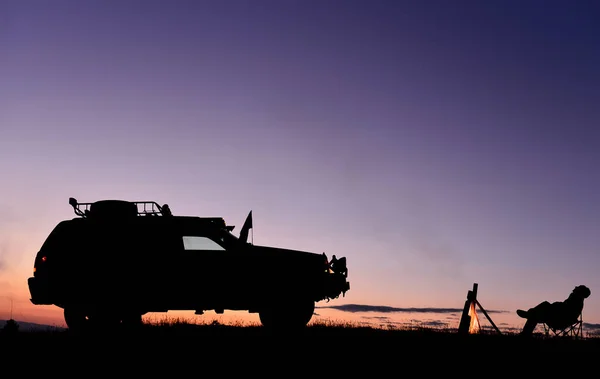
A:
(574, 331)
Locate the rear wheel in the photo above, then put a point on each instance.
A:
(105, 320)
(76, 318)
(79, 319)
(114, 319)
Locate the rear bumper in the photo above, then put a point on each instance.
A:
(39, 292)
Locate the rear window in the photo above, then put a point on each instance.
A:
(65, 236)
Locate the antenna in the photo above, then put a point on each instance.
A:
(11, 308)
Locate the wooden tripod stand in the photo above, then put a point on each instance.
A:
(465, 321)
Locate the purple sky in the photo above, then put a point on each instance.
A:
(435, 144)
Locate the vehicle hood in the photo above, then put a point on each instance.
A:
(282, 253)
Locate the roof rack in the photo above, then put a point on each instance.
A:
(143, 208)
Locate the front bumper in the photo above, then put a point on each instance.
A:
(335, 285)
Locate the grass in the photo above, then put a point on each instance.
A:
(169, 345)
(193, 326)
(179, 326)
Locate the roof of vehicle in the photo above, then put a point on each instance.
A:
(123, 209)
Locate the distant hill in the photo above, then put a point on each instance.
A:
(33, 327)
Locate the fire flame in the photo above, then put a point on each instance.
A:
(474, 327)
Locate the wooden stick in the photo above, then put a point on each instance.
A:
(465, 320)
(488, 317)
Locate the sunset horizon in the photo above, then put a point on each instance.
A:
(434, 145)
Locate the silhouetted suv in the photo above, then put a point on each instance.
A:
(118, 260)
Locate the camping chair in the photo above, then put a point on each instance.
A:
(573, 330)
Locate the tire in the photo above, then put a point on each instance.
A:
(107, 320)
(112, 319)
(76, 318)
(288, 316)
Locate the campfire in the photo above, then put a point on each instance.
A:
(474, 326)
(469, 322)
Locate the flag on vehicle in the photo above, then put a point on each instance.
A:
(247, 226)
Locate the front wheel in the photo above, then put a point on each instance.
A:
(292, 315)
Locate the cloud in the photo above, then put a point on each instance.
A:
(354, 308)
(387, 322)
(592, 328)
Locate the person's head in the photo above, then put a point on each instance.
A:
(582, 291)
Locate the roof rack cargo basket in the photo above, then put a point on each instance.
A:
(118, 208)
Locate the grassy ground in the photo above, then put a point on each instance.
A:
(320, 349)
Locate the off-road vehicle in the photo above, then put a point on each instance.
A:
(118, 260)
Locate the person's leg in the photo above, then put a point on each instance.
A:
(534, 315)
(529, 327)
(540, 312)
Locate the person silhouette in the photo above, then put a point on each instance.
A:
(557, 315)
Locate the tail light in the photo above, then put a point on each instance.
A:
(41, 261)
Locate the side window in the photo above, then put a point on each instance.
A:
(200, 243)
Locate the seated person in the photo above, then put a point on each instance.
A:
(557, 315)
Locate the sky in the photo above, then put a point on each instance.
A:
(434, 144)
